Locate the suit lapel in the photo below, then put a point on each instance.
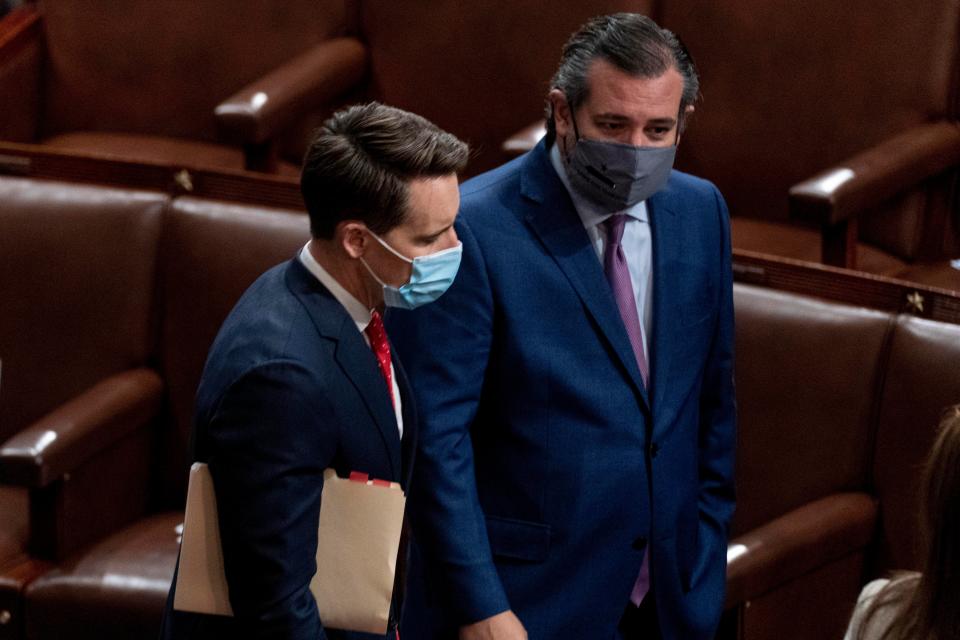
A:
(352, 355)
(667, 330)
(555, 222)
(408, 445)
(359, 364)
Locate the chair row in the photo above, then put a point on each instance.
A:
(110, 298)
(821, 102)
(239, 83)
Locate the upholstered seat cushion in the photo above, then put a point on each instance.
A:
(799, 243)
(790, 241)
(147, 148)
(117, 588)
(944, 274)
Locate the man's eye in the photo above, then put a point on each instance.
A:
(660, 131)
(610, 126)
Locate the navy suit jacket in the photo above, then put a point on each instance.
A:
(290, 388)
(545, 467)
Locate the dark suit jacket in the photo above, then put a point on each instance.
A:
(290, 388)
(547, 466)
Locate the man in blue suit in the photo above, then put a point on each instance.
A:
(575, 465)
(301, 377)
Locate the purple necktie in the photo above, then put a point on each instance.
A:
(618, 275)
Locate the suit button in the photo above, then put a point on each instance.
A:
(654, 450)
(640, 543)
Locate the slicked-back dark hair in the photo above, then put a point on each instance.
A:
(633, 43)
(361, 160)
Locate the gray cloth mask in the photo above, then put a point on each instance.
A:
(615, 176)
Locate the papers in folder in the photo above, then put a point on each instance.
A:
(358, 541)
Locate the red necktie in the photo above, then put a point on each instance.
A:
(381, 348)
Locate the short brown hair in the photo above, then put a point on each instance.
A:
(360, 161)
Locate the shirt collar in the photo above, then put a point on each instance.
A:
(358, 312)
(589, 214)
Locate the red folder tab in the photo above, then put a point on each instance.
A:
(356, 476)
(380, 483)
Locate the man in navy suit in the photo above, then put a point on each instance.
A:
(575, 465)
(301, 377)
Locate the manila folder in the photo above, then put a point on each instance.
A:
(357, 545)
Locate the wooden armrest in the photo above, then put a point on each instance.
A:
(877, 174)
(62, 440)
(257, 112)
(525, 139)
(21, 66)
(804, 539)
(17, 28)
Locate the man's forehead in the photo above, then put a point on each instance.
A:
(432, 202)
(615, 92)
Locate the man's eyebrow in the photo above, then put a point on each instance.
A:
(665, 122)
(618, 117)
(433, 236)
(611, 116)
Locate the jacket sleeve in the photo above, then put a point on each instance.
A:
(444, 347)
(267, 449)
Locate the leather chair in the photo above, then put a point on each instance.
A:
(77, 267)
(116, 588)
(921, 381)
(807, 378)
(846, 107)
(173, 82)
(826, 124)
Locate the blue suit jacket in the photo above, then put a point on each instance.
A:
(290, 388)
(545, 467)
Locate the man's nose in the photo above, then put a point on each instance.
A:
(452, 238)
(639, 138)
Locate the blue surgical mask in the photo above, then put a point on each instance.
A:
(429, 279)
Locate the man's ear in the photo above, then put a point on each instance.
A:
(561, 112)
(687, 112)
(562, 120)
(352, 237)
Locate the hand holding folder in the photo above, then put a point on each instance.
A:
(357, 544)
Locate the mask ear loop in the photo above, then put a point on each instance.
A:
(576, 130)
(383, 243)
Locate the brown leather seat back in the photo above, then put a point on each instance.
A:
(807, 373)
(792, 88)
(77, 269)
(210, 253)
(162, 67)
(478, 69)
(923, 378)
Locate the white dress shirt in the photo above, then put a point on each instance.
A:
(358, 312)
(636, 242)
